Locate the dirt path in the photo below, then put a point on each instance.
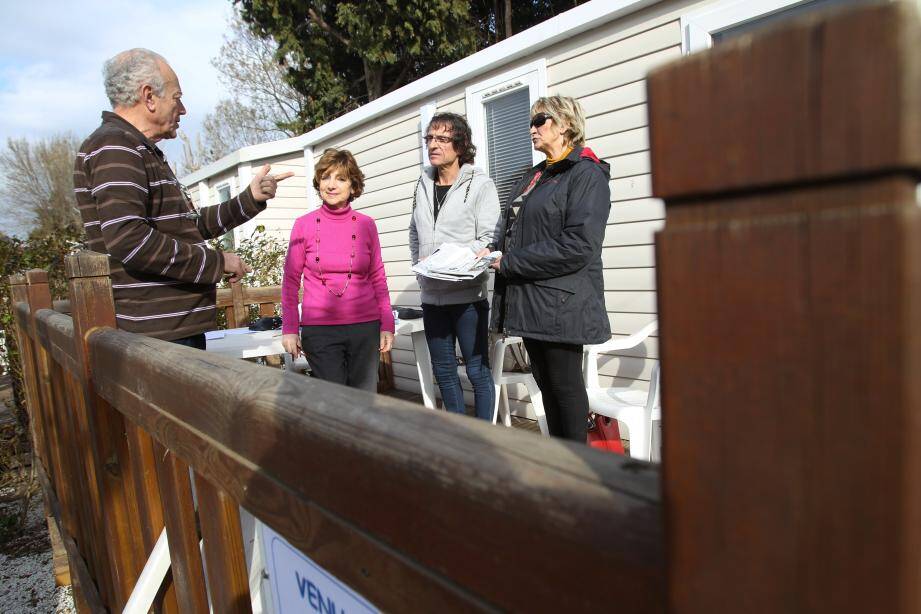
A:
(26, 575)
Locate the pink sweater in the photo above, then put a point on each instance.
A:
(339, 231)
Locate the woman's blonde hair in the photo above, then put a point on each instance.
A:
(565, 110)
(339, 158)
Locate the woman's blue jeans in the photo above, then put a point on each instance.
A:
(468, 325)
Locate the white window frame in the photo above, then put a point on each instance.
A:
(426, 113)
(698, 27)
(532, 75)
(217, 190)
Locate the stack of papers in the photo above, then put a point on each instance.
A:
(454, 262)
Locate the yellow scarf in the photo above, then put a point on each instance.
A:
(552, 161)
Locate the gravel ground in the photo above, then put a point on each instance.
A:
(26, 574)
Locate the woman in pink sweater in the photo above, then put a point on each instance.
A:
(336, 253)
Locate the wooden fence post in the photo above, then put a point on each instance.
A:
(110, 470)
(56, 466)
(19, 293)
(789, 280)
(228, 578)
(181, 529)
(240, 315)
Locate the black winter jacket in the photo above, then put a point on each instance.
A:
(550, 285)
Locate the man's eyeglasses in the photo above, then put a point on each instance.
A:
(540, 119)
(444, 140)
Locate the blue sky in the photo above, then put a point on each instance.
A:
(51, 56)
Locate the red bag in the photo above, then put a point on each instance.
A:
(604, 434)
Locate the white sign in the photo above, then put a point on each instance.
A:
(300, 585)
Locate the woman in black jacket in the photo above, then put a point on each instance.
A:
(549, 289)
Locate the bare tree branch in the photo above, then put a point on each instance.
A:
(317, 19)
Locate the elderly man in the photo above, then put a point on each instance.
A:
(135, 210)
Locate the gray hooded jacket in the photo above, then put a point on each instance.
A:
(469, 215)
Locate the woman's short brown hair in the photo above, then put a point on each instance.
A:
(564, 109)
(339, 158)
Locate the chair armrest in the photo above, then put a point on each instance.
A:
(590, 358)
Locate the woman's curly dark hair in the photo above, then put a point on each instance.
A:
(460, 131)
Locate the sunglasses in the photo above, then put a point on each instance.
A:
(540, 119)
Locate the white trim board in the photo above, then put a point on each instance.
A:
(532, 75)
(697, 27)
(562, 27)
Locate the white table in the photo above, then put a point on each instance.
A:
(416, 330)
(236, 343)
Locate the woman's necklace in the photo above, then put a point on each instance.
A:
(348, 277)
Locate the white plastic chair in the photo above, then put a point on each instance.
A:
(502, 378)
(636, 409)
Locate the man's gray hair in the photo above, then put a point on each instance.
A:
(127, 72)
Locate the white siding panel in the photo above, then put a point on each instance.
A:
(662, 37)
(628, 256)
(457, 105)
(631, 188)
(390, 224)
(630, 279)
(632, 233)
(407, 159)
(630, 301)
(629, 141)
(616, 121)
(630, 164)
(410, 142)
(391, 239)
(613, 99)
(629, 323)
(387, 210)
(393, 254)
(386, 195)
(398, 268)
(612, 76)
(637, 210)
(378, 132)
(405, 175)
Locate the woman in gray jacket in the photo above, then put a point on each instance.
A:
(455, 202)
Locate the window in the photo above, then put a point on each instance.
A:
(499, 112)
(508, 142)
(730, 18)
(223, 194)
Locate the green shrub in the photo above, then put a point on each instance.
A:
(265, 253)
(46, 252)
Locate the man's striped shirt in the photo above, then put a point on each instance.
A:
(135, 210)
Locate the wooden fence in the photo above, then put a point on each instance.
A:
(235, 302)
(789, 281)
